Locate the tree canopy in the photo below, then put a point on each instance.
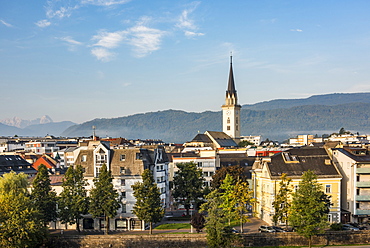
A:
(310, 207)
(236, 171)
(103, 197)
(73, 200)
(21, 224)
(43, 196)
(282, 200)
(148, 205)
(188, 185)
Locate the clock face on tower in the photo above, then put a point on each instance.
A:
(228, 112)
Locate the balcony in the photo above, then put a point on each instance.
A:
(362, 198)
(363, 170)
(362, 212)
(363, 184)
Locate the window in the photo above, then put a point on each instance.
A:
(121, 224)
(327, 188)
(123, 182)
(84, 158)
(295, 188)
(357, 205)
(357, 178)
(200, 164)
(236, 120)
(122, 157)
(211, 173)
(205, 173)
(228, 128)
(123, 194)
(357, 191)
(228, 120)
(330, 218)
(236, 127)
(122, 170)
(123, 208)
(139, 156)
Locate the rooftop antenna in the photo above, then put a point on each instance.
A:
(93, 127)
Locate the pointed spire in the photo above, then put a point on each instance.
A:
(231, 85)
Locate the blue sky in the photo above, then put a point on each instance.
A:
(83, 59)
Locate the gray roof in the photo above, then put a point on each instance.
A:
(360, 155)
(295, 162)
(15, 163)
(222, 139)
(202, 138)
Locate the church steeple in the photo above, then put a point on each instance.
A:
(231, 108)
(231, 96)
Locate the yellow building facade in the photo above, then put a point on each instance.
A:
(266, 178)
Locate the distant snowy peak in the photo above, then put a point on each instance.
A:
(18, 122)
(45, 119)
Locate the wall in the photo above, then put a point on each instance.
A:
(199, 240)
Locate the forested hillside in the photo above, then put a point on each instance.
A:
(328, 100)
(278, 124)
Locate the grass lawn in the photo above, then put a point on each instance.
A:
(173, 226)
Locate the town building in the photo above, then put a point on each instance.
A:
(127, 165)
(354, 164)
(267, 172)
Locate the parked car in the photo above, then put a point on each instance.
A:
(349, 227)
(278, 229)
(268, 229)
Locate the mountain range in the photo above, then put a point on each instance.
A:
(276, 119)
(39, 127)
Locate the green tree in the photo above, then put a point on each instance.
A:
(236, 171)
(310, 207)
(282, 200)
(243, 196)
(43, 196)
(20, 222)
(245, 143)
(236, 197)
(103, 197)
(219, 234)
(188, 184)
(73, 200)
(198, 221)
(228, 203)
(148, 205)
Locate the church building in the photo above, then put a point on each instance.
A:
(231, 109)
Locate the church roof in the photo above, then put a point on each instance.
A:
(202, 138)
(231, 85)
(222, 139)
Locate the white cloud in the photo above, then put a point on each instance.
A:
(102, 54)
(187, 24)
(43, 23)
(192, 34)
(145, 40)
(70, 40)
(6, 24)
(184, 22)
(104, 2)
(60, 12)
(296, 30)
(109, 40)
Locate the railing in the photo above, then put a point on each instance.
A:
(365, 184)
(363, 170)
(362, 212)
(362, 197)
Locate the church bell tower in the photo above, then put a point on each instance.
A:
(231, 108)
